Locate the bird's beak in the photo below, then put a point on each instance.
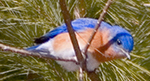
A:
(127, 54)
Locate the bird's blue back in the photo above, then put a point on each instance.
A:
(78, 25)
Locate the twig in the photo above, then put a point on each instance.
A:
(67, 19)
(27, 53)
(72, 35)
(97, 25)
(92, 75)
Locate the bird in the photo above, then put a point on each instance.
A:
(109, 43)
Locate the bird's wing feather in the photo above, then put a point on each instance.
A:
(78, 26)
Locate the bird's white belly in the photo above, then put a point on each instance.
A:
(92, 64)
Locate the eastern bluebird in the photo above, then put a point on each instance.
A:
(109, 43)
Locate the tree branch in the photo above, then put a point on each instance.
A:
(72, 35)
(27, 53)
(97, 25)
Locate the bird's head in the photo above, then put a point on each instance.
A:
(121, 42)
(117, 44)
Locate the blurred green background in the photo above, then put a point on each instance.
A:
(23, 20)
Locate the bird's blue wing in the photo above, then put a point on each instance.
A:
(78, 26)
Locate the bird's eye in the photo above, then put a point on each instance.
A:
(119, 42)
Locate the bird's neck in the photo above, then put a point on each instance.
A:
(101, 46)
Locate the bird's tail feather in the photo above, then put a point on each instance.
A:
(38, 50)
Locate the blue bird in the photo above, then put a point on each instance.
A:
(109, 43)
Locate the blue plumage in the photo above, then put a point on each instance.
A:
(78, 25)
(123, 36)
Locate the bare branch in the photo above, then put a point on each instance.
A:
(67, 19)
(72, 35)
(97, 25)
(27, 53)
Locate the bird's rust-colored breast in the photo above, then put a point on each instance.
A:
(62, 43)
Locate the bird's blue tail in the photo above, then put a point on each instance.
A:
(32, 48)
(38, 49)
